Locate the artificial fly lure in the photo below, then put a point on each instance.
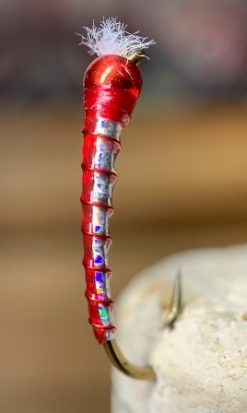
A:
(112, 85)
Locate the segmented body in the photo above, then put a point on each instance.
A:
(111, 87)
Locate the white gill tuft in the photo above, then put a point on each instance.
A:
(111, 37)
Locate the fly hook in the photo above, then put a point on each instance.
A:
(116, 356)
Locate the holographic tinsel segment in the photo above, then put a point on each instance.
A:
(96, 219)
(111, 87)
(108, 128)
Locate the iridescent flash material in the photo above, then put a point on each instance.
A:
(100, 220)
(105, 154)
(108, 127)
(102, 188)
(105, 315)
(102, 285)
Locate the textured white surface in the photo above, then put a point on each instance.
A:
(201, 364)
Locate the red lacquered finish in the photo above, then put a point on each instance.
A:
(112, 85)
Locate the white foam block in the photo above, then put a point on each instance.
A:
(201, 364)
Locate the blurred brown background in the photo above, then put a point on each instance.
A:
(182, 177)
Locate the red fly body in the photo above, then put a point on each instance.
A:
(112, 84)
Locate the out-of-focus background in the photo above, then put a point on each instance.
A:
(182, 177)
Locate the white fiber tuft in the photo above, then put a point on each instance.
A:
(111, 37)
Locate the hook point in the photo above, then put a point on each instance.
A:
(176, 303)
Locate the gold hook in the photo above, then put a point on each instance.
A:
(117, 358)
(121, 363)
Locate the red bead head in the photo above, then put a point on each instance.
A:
(112, 85)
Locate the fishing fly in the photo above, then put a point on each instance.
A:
(112, 85)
